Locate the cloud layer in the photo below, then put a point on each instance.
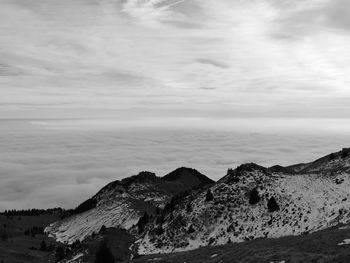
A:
(61, 163)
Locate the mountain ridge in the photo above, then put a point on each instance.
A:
(249, 202)
(121, 203)
(291, 203)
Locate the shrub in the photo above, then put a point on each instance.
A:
(191, 229)
(188, 207)
(60, 253)
(4, 236)
(104, 255)
(160, 220)
(158, 231)
(43, 246)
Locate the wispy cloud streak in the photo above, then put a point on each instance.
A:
(109, 54)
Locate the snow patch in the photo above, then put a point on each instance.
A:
(345, 242)
(76, 258)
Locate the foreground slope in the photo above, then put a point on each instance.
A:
(21, 237)
(324, 246)
(122, 203)
(254, 202)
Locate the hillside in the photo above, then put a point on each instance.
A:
(253, 202)
(250, 208)
(334, 161)
(324, 246)
(122, 203)
(21, 238)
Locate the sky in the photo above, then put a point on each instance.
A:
(97, 90)
(103, 58)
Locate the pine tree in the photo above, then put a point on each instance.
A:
(254, 197)
(102, 229)
(142, 222)
(104, 255)
(344, 153)
(272, 205)
(209, 196)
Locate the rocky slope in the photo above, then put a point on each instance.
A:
(253, 202)
(122, 203)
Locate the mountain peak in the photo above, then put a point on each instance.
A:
(141, 177)
(188, 175)
(244, 171)
(249, 167)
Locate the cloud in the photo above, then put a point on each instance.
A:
(151, 12)
(115, 55)
(212, 63)
(42, 164)
(316, 17)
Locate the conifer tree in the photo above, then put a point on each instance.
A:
(254, 197)
(104, 254)
(272, 205)
(209, 196)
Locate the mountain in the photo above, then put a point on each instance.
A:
(188, 177)
(334, 161)
(121, 203)
(253, 202)
(185, 210)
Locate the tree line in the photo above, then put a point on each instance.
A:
(32, 212)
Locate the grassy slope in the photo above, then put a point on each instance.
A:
(321, 246)
(316, 247)
(16, 248)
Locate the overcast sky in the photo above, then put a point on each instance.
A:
(68, 58)
(102, 89)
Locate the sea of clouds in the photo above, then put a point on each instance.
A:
(49, 163)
